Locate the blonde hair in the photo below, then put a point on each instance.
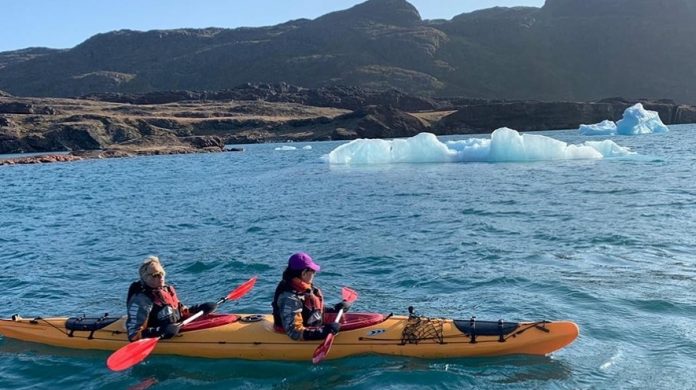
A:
(150, 260)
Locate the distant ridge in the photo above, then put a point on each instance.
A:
(569, 50)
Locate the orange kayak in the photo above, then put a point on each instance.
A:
(252, 336)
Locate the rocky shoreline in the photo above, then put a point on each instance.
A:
(118, 125)
(108, 153)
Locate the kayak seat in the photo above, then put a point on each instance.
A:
(486, 328)
(211, 320)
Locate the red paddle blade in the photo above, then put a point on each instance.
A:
(349, 295)
(323, 349)
(241, 290)
(131, 354)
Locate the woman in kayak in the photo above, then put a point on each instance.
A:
(153, 307)
(298, 305)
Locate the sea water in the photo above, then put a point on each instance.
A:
(608, 243)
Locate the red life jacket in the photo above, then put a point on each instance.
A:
(166, 309)
(311, 297)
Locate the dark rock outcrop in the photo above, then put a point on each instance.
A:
(685, 114)
(78, 136)
(10, 140)
(384, 122)
(204, 142)
(25, 108)
(31, 126)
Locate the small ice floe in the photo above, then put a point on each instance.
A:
(606, 127)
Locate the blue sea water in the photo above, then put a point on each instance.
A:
(606, 243)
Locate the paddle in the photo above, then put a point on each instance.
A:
(135, 352)
(320, 353)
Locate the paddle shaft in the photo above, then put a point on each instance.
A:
(200, 313)
(192, 318)
(338, 316)
(235, 294)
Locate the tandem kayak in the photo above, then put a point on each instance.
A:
(252, 336)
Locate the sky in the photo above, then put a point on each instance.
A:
(66, 23)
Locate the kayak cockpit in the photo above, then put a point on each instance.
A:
(350, 321)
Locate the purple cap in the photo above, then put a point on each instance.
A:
(300, 261)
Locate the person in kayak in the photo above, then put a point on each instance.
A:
(154, 310)
(298, 305)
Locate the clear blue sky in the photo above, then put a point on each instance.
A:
(66, 23)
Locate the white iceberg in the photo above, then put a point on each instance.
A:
(504, 145)
(638, 120)
(605, 127)
(285, 147)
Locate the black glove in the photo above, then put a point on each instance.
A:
(151, 332)
(345, 305)
(313, 334)
(170, 331)
(321, 333)
(331, 327)
(165, 332)
(207, 308)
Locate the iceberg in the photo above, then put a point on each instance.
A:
(638, 120)
(505, 145)
(605, 127)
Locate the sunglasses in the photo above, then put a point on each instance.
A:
(156, 275)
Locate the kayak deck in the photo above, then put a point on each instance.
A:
(252, 336)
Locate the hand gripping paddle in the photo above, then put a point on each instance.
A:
(320, 353)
